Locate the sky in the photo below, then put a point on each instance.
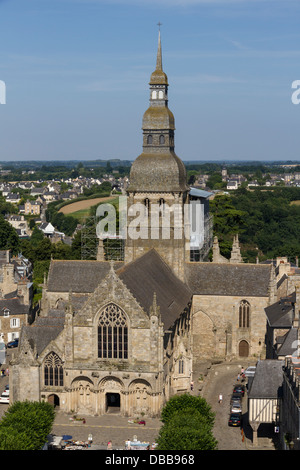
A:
(74, 77)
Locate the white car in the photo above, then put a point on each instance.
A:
(4, 399)
(5, 393)
(236, 408)
(250, 371)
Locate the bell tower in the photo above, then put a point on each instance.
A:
(158, 185)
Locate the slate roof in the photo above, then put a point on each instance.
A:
(267, 380)
(77, 276)
(14, 305)
(289, 344)
(245, 280)
(281, 313)
(149, 274)
(44, 329)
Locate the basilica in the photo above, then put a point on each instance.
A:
(124, 336)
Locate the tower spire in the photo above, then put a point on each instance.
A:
(159, 53)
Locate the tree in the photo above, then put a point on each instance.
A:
(9, 239)
(188, 430)
(26, 425)
(188, 423)
(181, 402)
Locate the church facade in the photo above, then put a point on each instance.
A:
(125, 336)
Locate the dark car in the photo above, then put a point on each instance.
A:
(236, 396)
(238, 388)
(13, 344)
(235, 419)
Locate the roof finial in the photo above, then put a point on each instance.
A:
(159, 54)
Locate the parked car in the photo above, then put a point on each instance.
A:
(4, 399)
(239, 388)
(250, 371)
(13, 344)
(235, 419)
(236, 407)
(5, 393)
(236, 396)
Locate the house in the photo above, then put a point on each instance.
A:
(47, 229)
(32, 208)
(20, 224)
(13, 198)
(265, 395)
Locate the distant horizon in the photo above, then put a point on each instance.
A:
(241, 162)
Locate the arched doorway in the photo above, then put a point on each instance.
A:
(243, 348)
(53, 400)
(113, 403)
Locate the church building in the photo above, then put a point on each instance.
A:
(124, 336)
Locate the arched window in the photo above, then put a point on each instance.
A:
(112, 333)
(244, 314)
(180, 366)
(147, 205)
(53, 370)
(161, 139)
(149, 139)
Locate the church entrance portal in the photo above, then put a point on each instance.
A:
(113, 403)
(53, 400)
(244, 349)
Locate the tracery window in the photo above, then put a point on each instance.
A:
(180, 366)
(53, 370)
(112, 333)
(244, 314)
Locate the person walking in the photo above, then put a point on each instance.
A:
(220, 398)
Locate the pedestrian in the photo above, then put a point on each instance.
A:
(192, 385)
(220, 398)
(238, 377)
(109, 445)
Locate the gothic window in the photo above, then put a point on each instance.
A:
(149, 139)
(161, 203)
(53, 370)
(147, 205)
(160, 95)
(181, 366)
(154, 95)
(244, 314)
(112, 333)
(161, 139)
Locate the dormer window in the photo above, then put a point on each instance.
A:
(6, 312)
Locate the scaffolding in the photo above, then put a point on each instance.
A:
(94, 248)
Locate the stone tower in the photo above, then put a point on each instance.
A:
(158, 187)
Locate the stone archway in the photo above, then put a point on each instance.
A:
(112, 391)
(53, 400)
(83, 395)
(243, 348)
(140, 397)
